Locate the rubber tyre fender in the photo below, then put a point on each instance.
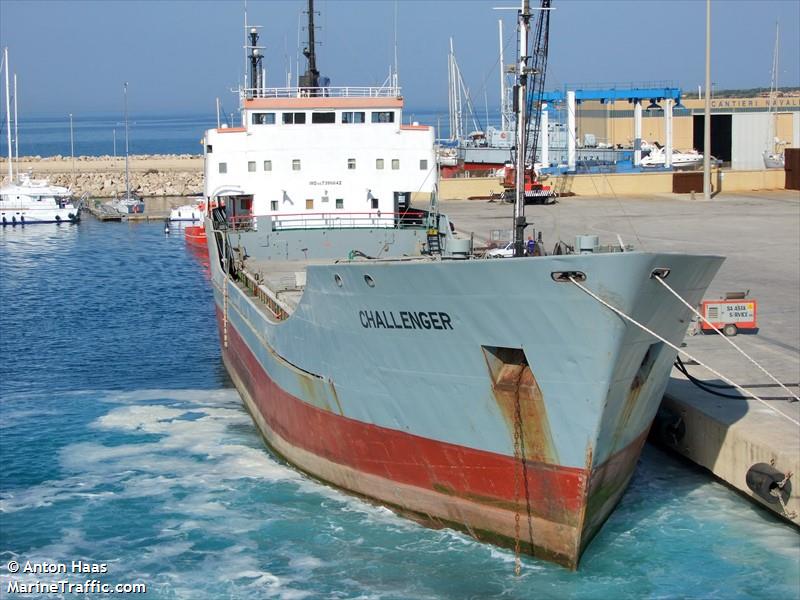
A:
(761, 478)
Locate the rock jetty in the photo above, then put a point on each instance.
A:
(104, 176)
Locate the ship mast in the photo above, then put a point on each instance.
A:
(521, 113)
(311, 77)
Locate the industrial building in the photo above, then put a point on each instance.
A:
(742, 129)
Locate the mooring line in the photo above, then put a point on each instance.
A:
(674, 347)
(660, 280)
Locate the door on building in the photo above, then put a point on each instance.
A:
(721, 126)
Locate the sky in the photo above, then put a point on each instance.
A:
(72, 56)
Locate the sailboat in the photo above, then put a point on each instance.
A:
(773, 159)
(130, 203)
(26, 201)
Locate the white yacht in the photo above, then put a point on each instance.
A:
(27, 201)
(194, 212)
(657, 157)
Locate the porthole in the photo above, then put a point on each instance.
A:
(338, 279)
(370, 281)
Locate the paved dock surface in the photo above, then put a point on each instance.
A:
(759, 234)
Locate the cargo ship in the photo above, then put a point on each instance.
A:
(378, 352)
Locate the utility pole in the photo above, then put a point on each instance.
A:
(72, 147)
(707, 113)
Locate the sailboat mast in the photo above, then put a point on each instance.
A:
(503, 115)
(8, 117)
(127, 181)
(521, 112)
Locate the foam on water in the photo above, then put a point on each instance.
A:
(135, 451)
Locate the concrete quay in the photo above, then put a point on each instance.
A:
(758, 233)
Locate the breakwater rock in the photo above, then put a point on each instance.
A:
(104, 176)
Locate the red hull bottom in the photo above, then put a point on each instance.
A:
(553, 511)
(195, 235)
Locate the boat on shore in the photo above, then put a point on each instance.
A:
(378, 353)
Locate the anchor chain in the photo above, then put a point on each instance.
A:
(517, 467)
(776, 491)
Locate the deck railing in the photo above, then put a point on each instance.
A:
(322, 92)
(330, 220)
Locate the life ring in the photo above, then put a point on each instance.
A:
(503, 135)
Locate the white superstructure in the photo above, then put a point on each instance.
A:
(286, 159)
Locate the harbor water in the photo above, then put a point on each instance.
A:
(101, 134)
(124, 443)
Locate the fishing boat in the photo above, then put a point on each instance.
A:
(130, 202)
(24, 200)
(194, 212)
(376, 352)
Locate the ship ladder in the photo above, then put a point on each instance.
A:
(658, 277)
(434, 245)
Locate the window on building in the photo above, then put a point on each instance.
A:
(263, 118)
(251, 166)
(268, 165)
(294, 118)
(352, 117)
(374, 203)
(423, 165)
(296, 164)
(309, 203)
(351, 163)
(383, 116)
(323, 117)
(395, 164)
(340, 203)
(273, 205)
(379, 163)
(223, 167)
(209, 148)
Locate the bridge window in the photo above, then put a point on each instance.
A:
(323, 117)
(395, 164)
(374, 203)
(263, 118)
(423, 165)
(268, 165)
(294, 118)
(383, 116)
(223, 167)
(351, 163)
(251, 166)
(273, 205)
(296, 164)
(352, 117)
(340, 203)
(379, 163)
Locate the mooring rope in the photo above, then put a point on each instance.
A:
(674, 347)
(660, 280)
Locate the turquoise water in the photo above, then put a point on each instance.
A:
(123, 442)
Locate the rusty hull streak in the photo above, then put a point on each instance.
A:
(512, 381)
